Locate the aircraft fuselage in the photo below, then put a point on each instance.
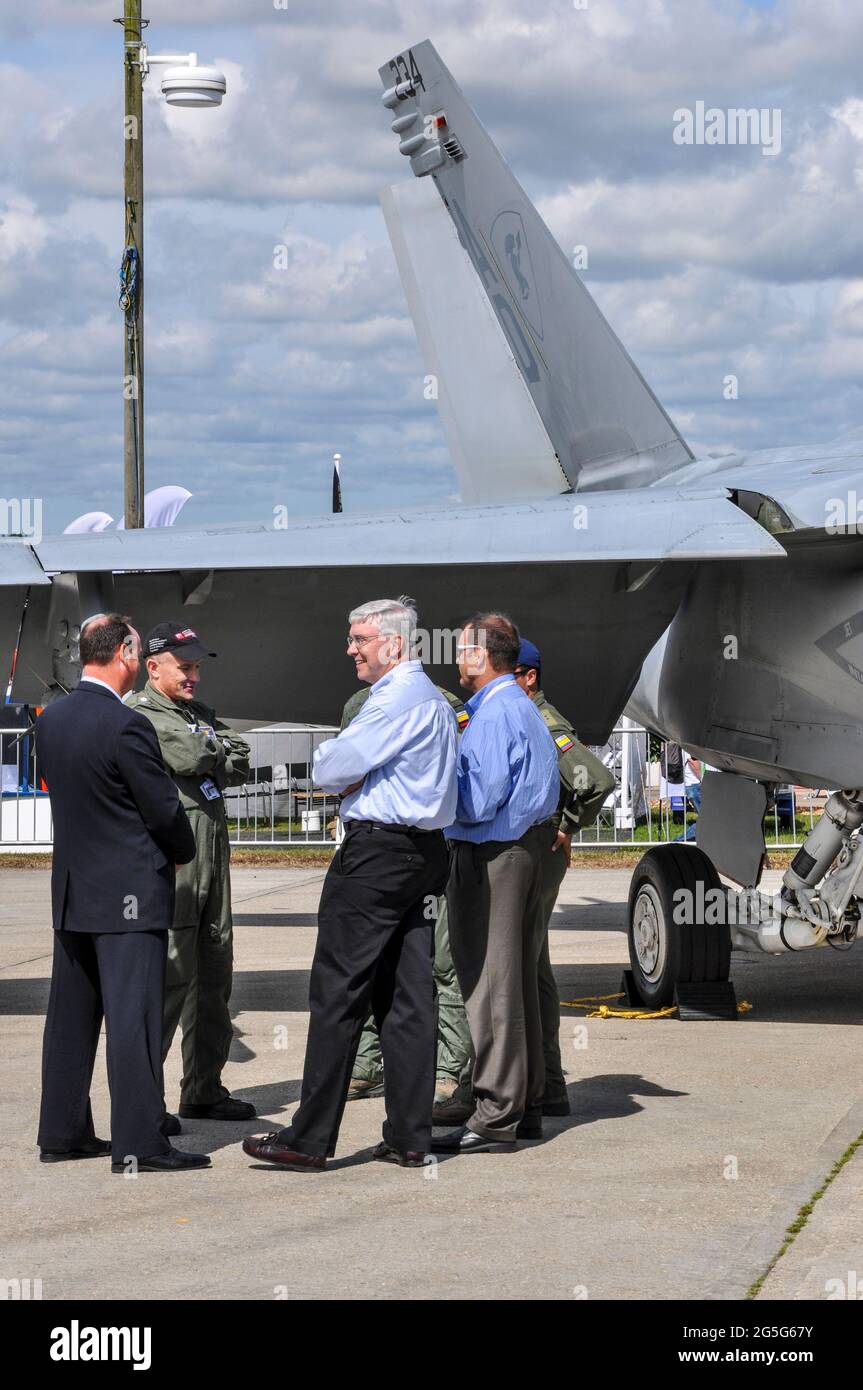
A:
(761, 669)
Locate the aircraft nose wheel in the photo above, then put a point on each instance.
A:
(678, 929)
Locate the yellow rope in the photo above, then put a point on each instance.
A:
(590, 999)
(604, 1011)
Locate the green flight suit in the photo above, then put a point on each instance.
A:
(454, 1057)
(585, 782)
(202, 755)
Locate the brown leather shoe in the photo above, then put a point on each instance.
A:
(267, 1148)
(361, 1089)
(405, 1158)
(452, 1111)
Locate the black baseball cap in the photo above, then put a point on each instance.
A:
(177, 638)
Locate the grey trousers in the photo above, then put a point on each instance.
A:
(553, 870)
(494, 900)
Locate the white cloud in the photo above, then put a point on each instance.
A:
(22, 230)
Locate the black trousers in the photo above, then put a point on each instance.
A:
(119, 976)
(375, 949)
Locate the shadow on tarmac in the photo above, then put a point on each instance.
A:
(822, 987)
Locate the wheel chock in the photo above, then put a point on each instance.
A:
(706, 1002)
(630, 989)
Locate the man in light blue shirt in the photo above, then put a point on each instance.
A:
(394, 766)
(508, 788)
(397, 755)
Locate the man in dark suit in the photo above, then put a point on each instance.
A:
(119, 831)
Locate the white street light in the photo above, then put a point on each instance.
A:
(186, 83)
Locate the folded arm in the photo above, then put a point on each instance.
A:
(370, 740)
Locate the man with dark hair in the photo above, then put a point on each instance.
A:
(101, 635)
(507, 791)
(585, 782)
(119, 831)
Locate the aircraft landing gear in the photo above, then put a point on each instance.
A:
(678, 929)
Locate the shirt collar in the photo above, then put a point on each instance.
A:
(476, 700)
(94, 680)
(404, 667)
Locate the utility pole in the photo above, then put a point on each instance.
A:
(132, 272)
(185, 84)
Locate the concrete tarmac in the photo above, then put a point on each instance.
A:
(690, 1148)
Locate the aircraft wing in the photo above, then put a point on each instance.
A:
(19, 565)
(592, 579)
(656, 524)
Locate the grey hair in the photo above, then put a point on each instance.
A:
(394, 617)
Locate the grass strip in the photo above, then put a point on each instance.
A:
(804, 1214)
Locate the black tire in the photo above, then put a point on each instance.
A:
(663, 952)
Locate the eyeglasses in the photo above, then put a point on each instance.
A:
(470, 647)
(360, 642)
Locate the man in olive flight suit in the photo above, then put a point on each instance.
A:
(203, 756)
(454, 1054)
(585, 783)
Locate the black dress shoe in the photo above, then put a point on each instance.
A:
(92, 1148)
(556, 1107)
(405, 1158)
(170, 1125)
(173, 1161)
(269, 1148)
(226, 1109)
(529, 1129)
(465, 1141)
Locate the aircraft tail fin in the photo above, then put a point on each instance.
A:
(605, 425)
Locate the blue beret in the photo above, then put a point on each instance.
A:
(528, 654)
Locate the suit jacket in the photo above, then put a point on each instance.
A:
(119, 828)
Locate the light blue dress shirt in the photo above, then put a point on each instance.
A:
(402, 745)
(508, 777)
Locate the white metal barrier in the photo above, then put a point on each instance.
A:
(640, 812)
(280, 806)
(25, 808)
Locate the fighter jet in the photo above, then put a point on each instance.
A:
(716, 600)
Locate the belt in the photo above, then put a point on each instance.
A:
(381, 825)
(537, 825)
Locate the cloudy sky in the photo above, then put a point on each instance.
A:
(708, 260)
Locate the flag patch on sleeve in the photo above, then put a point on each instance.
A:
(564, 742)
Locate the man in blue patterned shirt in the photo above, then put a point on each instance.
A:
(508, 787)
